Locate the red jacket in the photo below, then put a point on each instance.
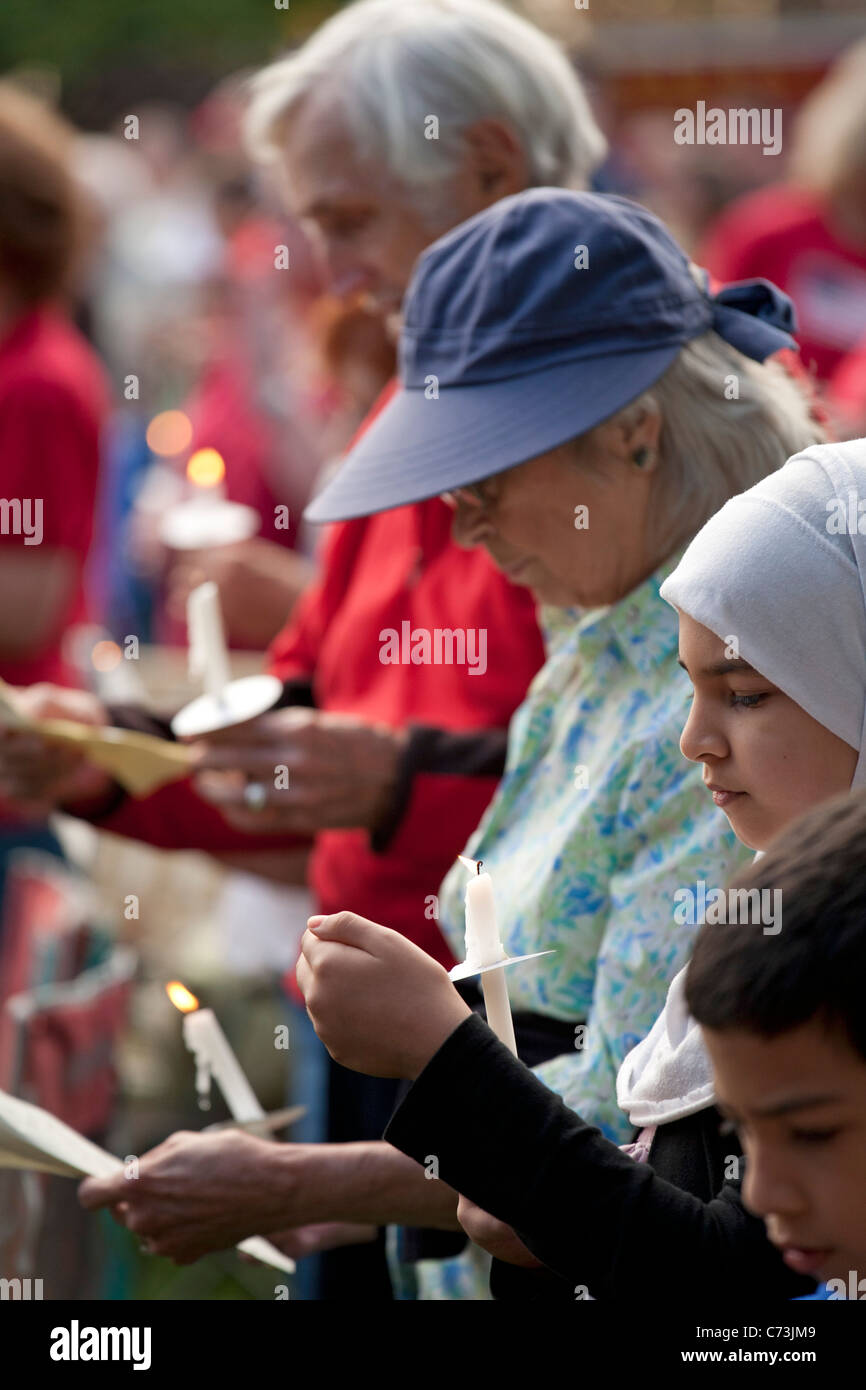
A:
(53, 400)
(377, 573)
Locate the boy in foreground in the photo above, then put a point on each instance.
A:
(784, 1022)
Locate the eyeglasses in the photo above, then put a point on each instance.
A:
(479, 492)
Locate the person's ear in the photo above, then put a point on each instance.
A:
(640, 441)
(632, 442)
(496, 161)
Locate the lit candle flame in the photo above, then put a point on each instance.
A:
(181, 997)
(206, 468)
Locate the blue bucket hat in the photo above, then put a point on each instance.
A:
(528, 325)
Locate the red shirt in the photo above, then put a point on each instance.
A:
(53, 400)
(377, 573)
(396, 567)
(846, 391)
(784, 235)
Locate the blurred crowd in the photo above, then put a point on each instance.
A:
(167, 287)
(171, 336)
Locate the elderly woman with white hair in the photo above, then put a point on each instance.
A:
(585, 402)
(396, 121)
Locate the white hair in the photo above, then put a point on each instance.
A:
(727, 421)
(829, 147)
(393, 64)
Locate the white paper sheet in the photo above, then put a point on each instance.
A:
(33, 1138)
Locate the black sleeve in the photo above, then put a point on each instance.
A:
(477, 753)
(587, 1210)
(143, 721)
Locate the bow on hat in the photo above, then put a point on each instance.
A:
(735, 308)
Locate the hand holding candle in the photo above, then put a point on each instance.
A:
(380, 1004)
(214, 1058)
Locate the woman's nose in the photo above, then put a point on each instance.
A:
(700, 737)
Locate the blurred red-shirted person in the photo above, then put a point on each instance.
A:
(52, 401)
(254, 402)
(808, 234)
(846, 394)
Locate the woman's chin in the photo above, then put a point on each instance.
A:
(752, 828)
(549, 591)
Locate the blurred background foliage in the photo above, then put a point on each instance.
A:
(103, 55)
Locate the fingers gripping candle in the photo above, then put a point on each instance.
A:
(484, 947)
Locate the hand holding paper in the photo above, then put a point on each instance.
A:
(197, 1193)
(139, 762)
(32, 1138)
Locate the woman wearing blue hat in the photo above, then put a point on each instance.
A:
(587, 404)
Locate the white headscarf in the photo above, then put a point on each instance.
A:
(780, 569)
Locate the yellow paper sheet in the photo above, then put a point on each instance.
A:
(140, 763)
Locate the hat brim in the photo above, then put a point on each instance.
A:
(421, 446)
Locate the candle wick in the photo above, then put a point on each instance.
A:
(479, 866)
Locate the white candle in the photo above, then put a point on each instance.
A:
(208, 654)
(214, 1058)
(207, 519)
(484, 947)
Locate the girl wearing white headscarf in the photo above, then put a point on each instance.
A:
(772, 601)
(778, 576)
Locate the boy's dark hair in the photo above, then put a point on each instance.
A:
(815, 967)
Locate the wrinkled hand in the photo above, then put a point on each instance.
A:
(196, 1193)
(380, 1004)
(494, 1236)
(259, 583)
(39, 775)
(341, 772)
